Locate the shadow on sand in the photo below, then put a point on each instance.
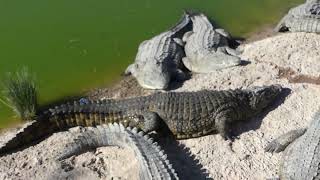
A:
(182, 160)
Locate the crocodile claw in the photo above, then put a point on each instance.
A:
(230, 136)
(274, 147)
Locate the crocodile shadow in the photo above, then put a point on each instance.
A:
(175, 84)
(255, 123)
(183, 161)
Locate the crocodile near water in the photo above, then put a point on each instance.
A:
(207, 48)
(301, 158)
(159, 60)
(184, 114)
(153, 162)
(303, 18)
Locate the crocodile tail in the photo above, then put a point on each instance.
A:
(191, 12)
(184, 25)
(156, 159)
(153, 161)
(34, 131)
(80, 114)
(47, 123)
(311, 25)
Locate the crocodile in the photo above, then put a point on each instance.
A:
(207, 48)
(153, 162)
(303, 18)
(159, 59)
(182, 114)
(301, 148)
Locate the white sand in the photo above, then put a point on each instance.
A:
(245, 159)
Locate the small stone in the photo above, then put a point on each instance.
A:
(23, 165)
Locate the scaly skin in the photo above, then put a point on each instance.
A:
(153, 163)
(158, 60)
(207, 48)
(185, 114)
(292, 24)
(301, 152)
(303, 18)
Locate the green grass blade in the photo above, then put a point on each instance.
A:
(21, 93)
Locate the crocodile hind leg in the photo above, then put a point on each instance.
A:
(284, 140)
(149, 121)
(222, 124)
(186, 36)
(153, 163)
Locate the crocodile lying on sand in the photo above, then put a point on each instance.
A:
(303, 18)
(153, 163)
(159, 60)
(301, 159)
(207, 48)
(185, 114)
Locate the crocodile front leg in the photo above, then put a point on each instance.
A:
(284, 140)
(222, 123)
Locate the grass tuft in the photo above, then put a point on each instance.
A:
(21, 93)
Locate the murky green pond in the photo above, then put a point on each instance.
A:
(74, 45)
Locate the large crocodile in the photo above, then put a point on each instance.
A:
(153, 163)
(185, 114)
(301, 159)
(303, 18)
(158, 60)
(207, 48)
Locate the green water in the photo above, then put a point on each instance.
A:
(74, 45)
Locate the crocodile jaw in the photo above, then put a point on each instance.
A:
(154, 78)
(261, 97)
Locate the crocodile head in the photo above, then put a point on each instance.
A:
(261, 97)
(154, 76)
